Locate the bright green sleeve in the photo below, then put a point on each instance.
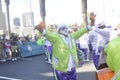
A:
(79, 33)
(51, 36)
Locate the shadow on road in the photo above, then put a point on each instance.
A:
(35, 68)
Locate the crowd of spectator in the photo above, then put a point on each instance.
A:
(9, 49)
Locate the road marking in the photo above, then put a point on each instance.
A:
(9, 78)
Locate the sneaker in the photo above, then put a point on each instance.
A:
(47, 61)
(13, 59)
(50, 62)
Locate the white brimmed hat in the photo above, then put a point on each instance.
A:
(100, 23)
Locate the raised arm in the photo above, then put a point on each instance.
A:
(42, 29)
(104, 31)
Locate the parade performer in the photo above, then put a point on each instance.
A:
(98, 38)
(83, 46)
(48, 47)
(64, 55)
(113, 55)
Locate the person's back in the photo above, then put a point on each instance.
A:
(99, 37)
(113, 54)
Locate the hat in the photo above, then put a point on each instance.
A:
(99, 24)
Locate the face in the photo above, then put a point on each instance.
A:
(64, 31)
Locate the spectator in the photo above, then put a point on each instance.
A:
(14, 47)
(2, 50)
(8, 49)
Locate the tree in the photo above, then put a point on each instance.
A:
(84, 12)
(42, 9)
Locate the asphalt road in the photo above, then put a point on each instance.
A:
(35, 68)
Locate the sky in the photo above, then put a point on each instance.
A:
(66, 11)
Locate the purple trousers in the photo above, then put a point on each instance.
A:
(96, 57)
(69, 75)
(50, 51)
(85, 50)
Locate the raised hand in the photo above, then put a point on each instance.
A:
(40, 26)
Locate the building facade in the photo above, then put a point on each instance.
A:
(28, 19)
(3, 27)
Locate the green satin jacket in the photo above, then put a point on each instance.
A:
(113, 55)
(61, 51)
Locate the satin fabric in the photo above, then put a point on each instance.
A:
(69, 75)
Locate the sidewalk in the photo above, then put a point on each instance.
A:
(86, 72)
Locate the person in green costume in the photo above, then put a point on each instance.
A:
(64, 55)
(40, 41)
(113, 56)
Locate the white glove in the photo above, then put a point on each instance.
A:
(89, 27)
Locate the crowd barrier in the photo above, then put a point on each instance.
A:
(30, 49)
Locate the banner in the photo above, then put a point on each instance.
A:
(31, 48)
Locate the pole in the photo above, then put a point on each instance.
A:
(32, 19)
(8, 17)
(84, 11)
(42, 9)
(32, 14)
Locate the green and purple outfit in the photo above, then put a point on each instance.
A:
(64, 55)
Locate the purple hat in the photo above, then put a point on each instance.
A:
(101, 23)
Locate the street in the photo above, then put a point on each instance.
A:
(35, 68)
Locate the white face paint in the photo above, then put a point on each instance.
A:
(63, 29)
(64, 32)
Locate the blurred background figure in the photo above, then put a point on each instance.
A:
(98, 38)
(48, 47)
(8, 49)
(14, 46)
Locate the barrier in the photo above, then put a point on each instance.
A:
(31, 48)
